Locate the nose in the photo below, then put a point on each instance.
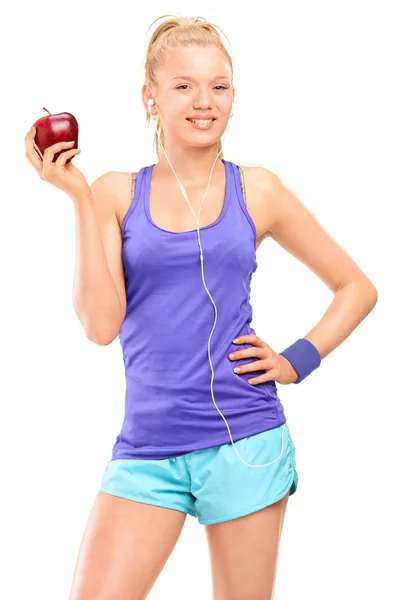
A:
(203, 101)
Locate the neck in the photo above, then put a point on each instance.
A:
(192, 165)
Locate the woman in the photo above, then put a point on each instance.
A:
(197, 437)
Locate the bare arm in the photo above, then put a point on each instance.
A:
(99, 289)
(294, 228)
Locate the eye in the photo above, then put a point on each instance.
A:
(184, 85)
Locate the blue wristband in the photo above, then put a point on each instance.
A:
(304, 358)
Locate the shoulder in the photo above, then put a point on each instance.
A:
(113, 191)
(260, 178)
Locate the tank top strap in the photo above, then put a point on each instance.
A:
(137, 195)
(238, 178)
(242, 184)
(240, 196)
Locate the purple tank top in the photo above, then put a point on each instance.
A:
(169, 410)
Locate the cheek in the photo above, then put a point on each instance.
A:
(224, 104)
(177, 113)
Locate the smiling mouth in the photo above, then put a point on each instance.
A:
(203, 120)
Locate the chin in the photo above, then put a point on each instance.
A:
(202, 144)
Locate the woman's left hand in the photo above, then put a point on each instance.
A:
(278, 367)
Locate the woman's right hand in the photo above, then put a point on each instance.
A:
(62, 175)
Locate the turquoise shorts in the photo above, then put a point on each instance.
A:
(212, 484)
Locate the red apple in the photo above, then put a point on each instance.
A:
(51, 129)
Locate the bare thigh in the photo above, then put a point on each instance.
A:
(244, 554)
(124, 548)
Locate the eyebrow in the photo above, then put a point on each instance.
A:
(192, 78)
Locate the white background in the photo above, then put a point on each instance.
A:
(317, 103)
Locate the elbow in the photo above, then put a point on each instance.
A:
(373, 295)
(370, 297)
(100, 340)
(363, 293)
(101, 331)
(102, 336)
(366, 289)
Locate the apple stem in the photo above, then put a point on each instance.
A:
(46, 110)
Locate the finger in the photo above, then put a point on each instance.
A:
(269, 376)
(245, 339)
(30, 153)
(250, 339)
(64, 156)
(239, 354)
(49, 153)
(258, 365)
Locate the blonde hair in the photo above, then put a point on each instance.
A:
(177, 32)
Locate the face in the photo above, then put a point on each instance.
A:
(195, 82)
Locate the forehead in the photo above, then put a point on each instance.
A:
(196, 62)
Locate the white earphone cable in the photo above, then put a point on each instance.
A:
(205, 285)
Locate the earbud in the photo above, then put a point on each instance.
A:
(150, 103)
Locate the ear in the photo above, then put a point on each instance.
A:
(146, 95)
